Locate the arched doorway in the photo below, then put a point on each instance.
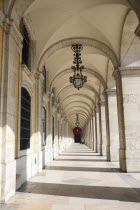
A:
(77, 134)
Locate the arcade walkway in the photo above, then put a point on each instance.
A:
(79, 179)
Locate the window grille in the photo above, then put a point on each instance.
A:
(25, 119)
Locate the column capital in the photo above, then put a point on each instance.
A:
(91, 116)
(102, 102)
(7, 23)
(111, 92)
(49, 94)
(105, 94)
(126, 72)
(116, 73)
(129, 71)
(11, 29)
(38, 75)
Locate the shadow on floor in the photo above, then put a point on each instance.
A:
(79, 155)
(92, 160)
(63, 168)
(80, 152)
(83, 191)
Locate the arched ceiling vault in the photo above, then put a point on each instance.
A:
(85, 41)
(82, 118)
(75, 108)
(70, 86)
(79, 103)
(82, 114)
(56, 25)
(77, 95)
(73, 117)
(87, 71)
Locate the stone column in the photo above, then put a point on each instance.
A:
(63, 134)
(103, 121)
(39, 120)
(128, 99)
(113, 119)
(9, 107)
(66, 138)
(107, 127)
(121, 125)
(59, 131)
(98, 129)
(52, 114)
(49, 127)
(89, 129)
(92, 133)
(95, 130)
(85, 133)
(55, 147)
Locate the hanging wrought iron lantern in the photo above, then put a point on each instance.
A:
(78, 79)
(77, 123)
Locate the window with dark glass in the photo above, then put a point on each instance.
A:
(52, 129)
(44, 80)
(26, 46)
(25, 119)
(44, 125)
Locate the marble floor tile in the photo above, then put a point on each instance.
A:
(79, 179)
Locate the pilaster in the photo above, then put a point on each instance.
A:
(100, 129)
(113, 119)
(107, 126)
(129, 103)
(103, 127)
(10, 79)
(92, 133)
(97, 129)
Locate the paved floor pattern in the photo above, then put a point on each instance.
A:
(79, 179)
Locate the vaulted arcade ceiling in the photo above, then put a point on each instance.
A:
(98, 26)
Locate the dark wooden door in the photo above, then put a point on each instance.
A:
(77, 138)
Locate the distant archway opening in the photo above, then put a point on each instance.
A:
(77, 134)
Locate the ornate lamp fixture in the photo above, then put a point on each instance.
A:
(77, 123)
(78, 79)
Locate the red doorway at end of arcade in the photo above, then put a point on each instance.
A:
(77, 134)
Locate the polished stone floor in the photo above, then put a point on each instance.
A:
(79, 179)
